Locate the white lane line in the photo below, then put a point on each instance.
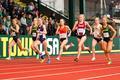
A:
(34, 66)
(56, 74)
(15, 65)
(102, 76)
(51, 69)
(27, 64)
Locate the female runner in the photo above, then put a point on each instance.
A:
(80, 28)
(16, 40)
(64, 32)
(108, 33)
(97, 30)
(33, 32)
(41, 39)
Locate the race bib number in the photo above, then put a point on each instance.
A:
(106, 34)
(44, 36)
(81, 31)
(34, 34)
(40, 33)
(96, 34)
(63, 35)
(13, 34)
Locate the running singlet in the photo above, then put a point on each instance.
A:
(41, 29)
(15, 35)
(106, 32)
(81, 29)
(97, 31)
(34, 29)
(63, 32)
(13, 32)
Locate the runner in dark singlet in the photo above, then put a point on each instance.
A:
(108, 33)
(16, 40)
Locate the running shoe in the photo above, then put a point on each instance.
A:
(42, 58)
(28, 50)
(58, 59)
(110, 62)
(48, 61)
(71, 44)
(93, 59)
(89, 50)
(37, 56)
(76, 59)
(8, 58)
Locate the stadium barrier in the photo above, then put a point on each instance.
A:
(53, 46)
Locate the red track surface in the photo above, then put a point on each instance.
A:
(67, 69)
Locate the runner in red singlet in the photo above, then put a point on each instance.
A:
(80, 28)
(64, 32)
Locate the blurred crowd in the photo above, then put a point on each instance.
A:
(114, 8)
(9, 10)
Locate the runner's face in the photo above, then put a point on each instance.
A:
(104, 21)
(62, 22)
(35, 21)
(81, 18)
(14, 21)
(97, 21)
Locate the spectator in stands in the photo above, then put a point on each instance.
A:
(51, 27)
(1, 13)
(36, 13)
(2, 31)
(23, 21)
(9, 10)
(20, 12)
(5, 4)
(53, 16)
(7, 23)
(30, 7)
(15, 11)
(111, 10)
(1, 6)
(29, 21)
(10, 7)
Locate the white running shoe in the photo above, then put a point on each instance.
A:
(93, 59)
(110, 62)
(71, 44)
(58, 59)
(28, 50)
(8, 58)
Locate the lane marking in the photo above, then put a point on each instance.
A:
(56, 74)
(33, 66)
(36, 65)
(51, 69)
(102, 76)
(86, 52)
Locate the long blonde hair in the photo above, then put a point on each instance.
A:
(35, 22)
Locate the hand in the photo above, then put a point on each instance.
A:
(69, 34)
(40, 32)
(99, 35)
(57, 33)
(91, 33)
(12, 28)
(111, 39)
